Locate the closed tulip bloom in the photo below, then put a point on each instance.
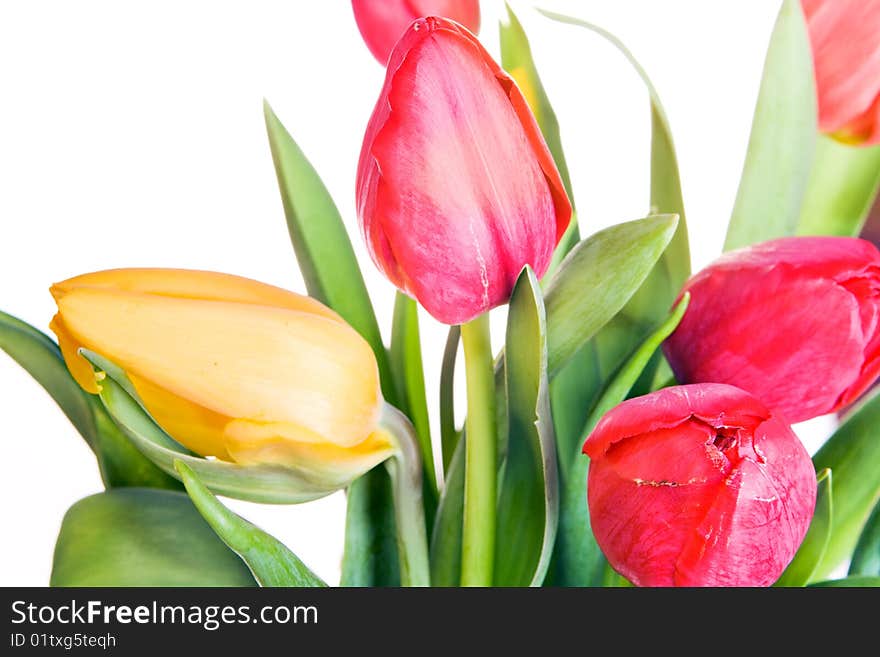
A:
(794, 321)
(456, 190)
(231, 368)
(845, 38)
(698, 485)
(383, 22)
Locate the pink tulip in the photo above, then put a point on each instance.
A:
(698, 486)
(383, 22)
(845, 37)
(456, 189)
(794, 321)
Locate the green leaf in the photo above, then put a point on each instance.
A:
(852, 453)
(783, 139)
(577, 560)
(370, 557)
(596, 280)
(447, 535)
(841, 190)
(119, 462)
(857, 581)
(332, 275)
(270, 561)
(866, 558)
(38, 354)
(142, 537)
(517, 60)
(257, 483)
(653, 300)
(800, 571)
(409, 375)
(528, 505)
(449, 434)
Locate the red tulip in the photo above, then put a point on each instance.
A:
(456, 190)
(845, 38)
(698, 486)
(383, 22)
(794, 321)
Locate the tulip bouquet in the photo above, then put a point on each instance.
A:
(633, 429)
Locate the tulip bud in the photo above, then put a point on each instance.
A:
(456, 189)
(794, 321)
(845, 38)
(698, 485)
(382, 22)
(232, 368)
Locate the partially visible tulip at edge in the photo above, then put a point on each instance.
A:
(698, 485)
(231, 368)
(456, 189)
(845, 40)
(383, 22)
(794, 321)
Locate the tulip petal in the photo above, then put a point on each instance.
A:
(475, 223)
(238, 360)
(846, 54)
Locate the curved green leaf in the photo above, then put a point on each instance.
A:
(449, 434)
(270, 561)
(261, 483)
(800, 571)
(674, 266)
(858, 581)
(842, 187)
(409, 375)
(577, 559)
(596, 280)
(142, 537)
(852, 453)
(119, 462)
(38, 354)
(781, 146)
(866, 557)
(528, 504)
(370, 556)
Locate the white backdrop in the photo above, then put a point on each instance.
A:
(131, 134)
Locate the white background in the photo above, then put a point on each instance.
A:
(131, 134)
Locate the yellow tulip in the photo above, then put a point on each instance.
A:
(231, 368)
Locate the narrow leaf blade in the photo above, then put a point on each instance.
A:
(866, 557)
(270, 561)
(842, 187)
(528, 505)
(800, 571)
(852, 453)
(782, 142)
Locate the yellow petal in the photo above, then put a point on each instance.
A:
(193, 284)
(195, 427)
(251, 445)
(81, 370)
(240, 361)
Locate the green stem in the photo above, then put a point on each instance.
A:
(478, 534)
(405, 469)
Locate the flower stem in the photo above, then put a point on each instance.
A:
(405, 469)
(478, 534)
